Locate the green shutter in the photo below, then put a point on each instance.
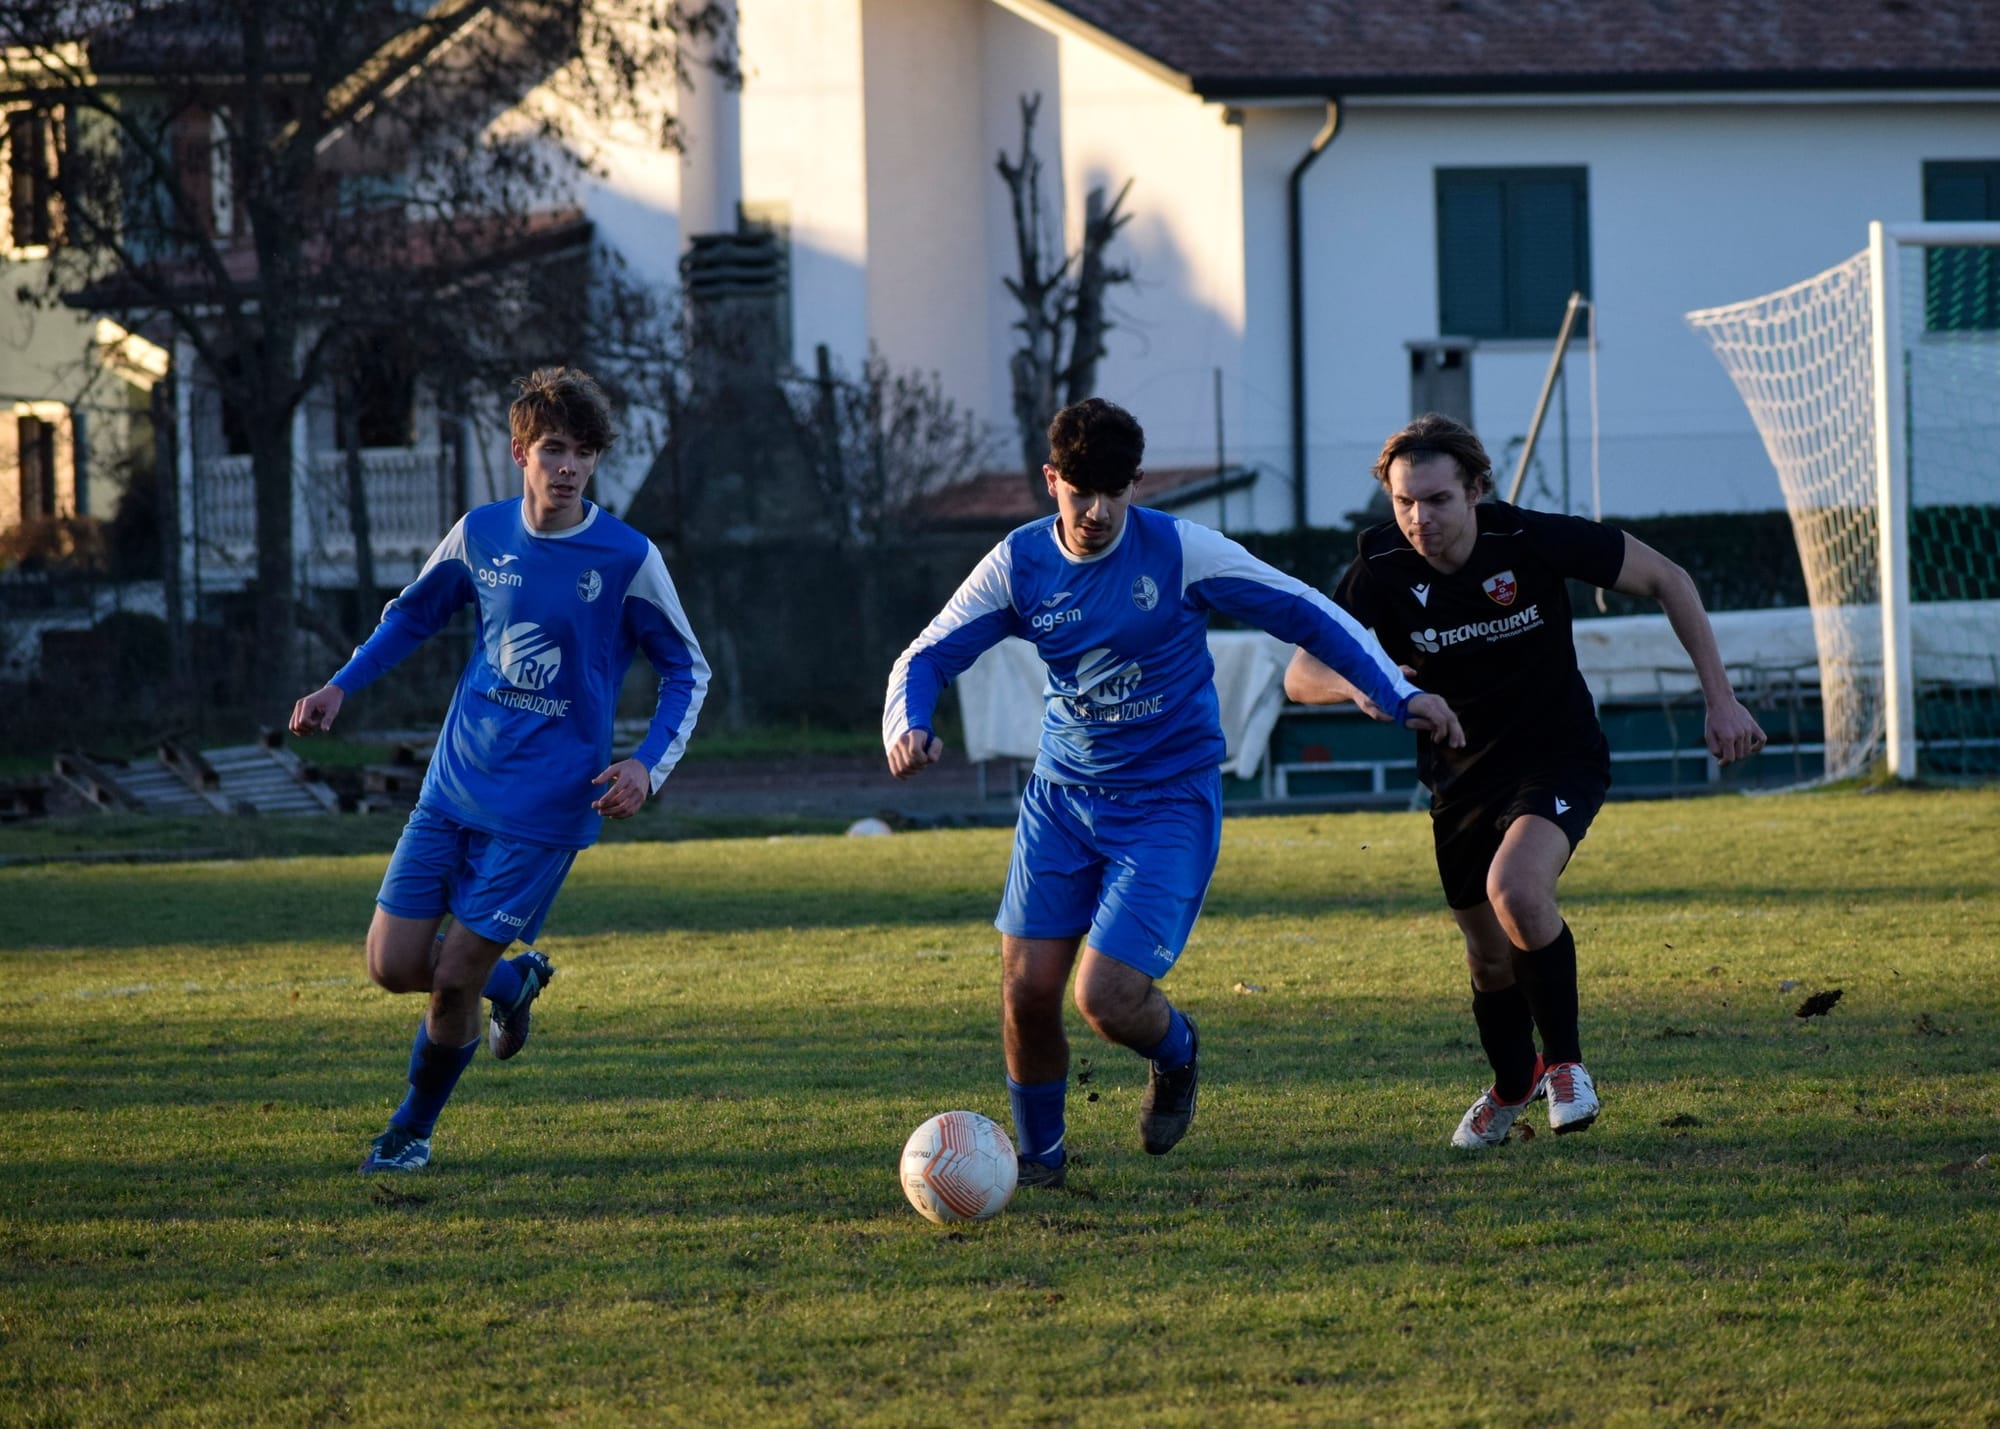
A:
(1513, 244)
(1471, 237)
(1962, 286)
(1547, 235)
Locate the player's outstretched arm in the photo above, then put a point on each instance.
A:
(423, 608)
(979, 615)
(315, 713)
(630, 781)
(1309, 680)
(914, 752)
(1731, 730)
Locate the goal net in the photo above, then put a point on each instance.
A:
(1876, 388)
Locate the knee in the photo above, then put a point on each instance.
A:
(461, 972)
(1031, 994)
(392, 973)
(1095, 1009)
(1110, 1005)
(1031, 980)
(1491, 967)
(1526, 914)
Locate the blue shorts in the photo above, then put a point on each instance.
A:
(501, 889)
(1128, 866)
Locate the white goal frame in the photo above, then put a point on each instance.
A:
(1823, 365)
(1892, 475)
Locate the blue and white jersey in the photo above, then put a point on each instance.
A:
(561, 614)
(1130, 699)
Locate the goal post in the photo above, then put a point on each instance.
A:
(1876, 389)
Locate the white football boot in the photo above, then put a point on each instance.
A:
(1488, 1120)
(1573, 1103)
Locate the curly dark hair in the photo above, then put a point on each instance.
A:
(561, 399)
(1096, 445)
(1434, 435)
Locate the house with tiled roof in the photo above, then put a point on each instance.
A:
(1341, 211)
(1344, 210)
(80, 363)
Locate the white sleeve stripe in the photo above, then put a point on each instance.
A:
(1207, 554)
(451, 548)
(664, 766)
(988, 590)
(652, 584)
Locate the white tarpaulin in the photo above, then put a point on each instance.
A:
(1623, 657)
(1631, 656)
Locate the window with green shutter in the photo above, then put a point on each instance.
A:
(1512, 245)
(1962, 285)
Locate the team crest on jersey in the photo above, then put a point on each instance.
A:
(1145, 594)
(1501, 588)
(589, 586)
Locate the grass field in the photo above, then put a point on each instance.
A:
(680, 1204)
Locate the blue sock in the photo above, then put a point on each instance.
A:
(434, 1071)
(1038, 1118)
(504, 983)
(1176, 1048)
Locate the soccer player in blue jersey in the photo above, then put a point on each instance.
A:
(1472, 597)
(565, 595)
(1121, 822)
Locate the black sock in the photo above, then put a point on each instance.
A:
(1507, 1032)
(1548, 976)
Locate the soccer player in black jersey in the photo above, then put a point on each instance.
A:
(1470, 599)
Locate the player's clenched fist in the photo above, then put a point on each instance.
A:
(314, 714)
(1733, 732)
(914, 752)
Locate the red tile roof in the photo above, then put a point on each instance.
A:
(1002, 499)
(440, 250)
(1246, 48)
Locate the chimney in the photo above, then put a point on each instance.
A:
(711, 131)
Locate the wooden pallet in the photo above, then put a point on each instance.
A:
(267, 778)
(260, 778)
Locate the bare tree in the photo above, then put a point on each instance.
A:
(272, 184)
(879, 442)
(1061, 296)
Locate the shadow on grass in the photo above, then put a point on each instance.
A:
(1322, 1110)
(213, 905)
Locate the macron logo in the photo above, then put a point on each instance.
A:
(1422, 593)
(1562, 807)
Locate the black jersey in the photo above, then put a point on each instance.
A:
(1493, 638)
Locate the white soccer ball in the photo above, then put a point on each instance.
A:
(959, 1166)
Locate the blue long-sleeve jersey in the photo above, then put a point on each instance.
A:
(561, 614)
(1130, 698)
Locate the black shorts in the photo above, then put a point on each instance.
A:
(1468, 830)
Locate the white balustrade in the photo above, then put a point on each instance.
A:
(405, 489)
